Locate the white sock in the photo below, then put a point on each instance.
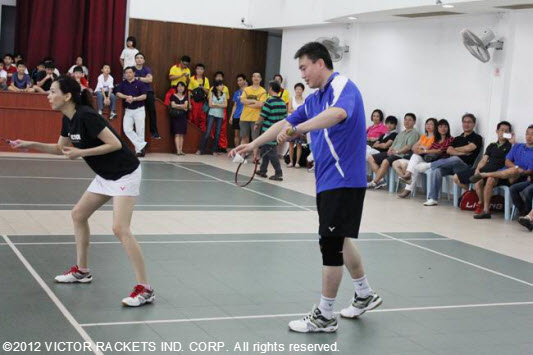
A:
(326, 306)
(84, 270)
(362, 288)
(147, 286)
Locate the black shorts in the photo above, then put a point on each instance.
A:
(235, 123)
(380, 157)
(339, 212)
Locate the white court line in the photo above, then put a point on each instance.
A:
(92, 178)
(457, 259)
(109, 205)
(53, 297)
(244, 188)
(221, 241)
(265, 316)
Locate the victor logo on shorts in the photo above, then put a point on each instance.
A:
(331, 229)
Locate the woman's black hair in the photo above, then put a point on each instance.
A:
(435, 125)
(438, 136)
(215, 90)
(133, 41)
(299, 85)
(68, 85)
(380, 113)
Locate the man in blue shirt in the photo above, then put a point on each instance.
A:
(335, 116)
(144, 74)
(235, 116)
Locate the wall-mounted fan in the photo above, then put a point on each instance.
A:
(478, 45)
(336, 51)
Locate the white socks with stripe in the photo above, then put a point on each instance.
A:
(326, 306)
(362, 288)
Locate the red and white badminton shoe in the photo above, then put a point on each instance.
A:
(74, 275)
(140, 295)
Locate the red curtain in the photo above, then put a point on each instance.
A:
(65, 29)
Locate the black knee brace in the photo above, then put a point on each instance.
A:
(331, 249)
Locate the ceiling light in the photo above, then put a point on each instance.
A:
(352, 18)
(446, 6)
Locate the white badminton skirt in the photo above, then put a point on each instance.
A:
(128, 185)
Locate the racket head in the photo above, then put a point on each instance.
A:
(245, 172)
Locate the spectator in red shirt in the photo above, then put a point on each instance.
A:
(78, 76)
(9, 67)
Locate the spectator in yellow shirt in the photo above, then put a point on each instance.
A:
(198, 91)
(253, 98)
(180, 72)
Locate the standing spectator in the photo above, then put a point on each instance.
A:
(9, 67)
(179, 105)
(463, 152)
(236, 112)
(180, 72)
(419, 163)
(296, 102)
(198, 91)
(223, 143)
(401, 146)
(253, 98)
(518, 168)
(127, 57)
(493, 160)
(21, 82)
(34, 72)
(284, 93)
(144, 74)
(104, 91)
(44, 79)
(79, 63)
(274, 110)
(133, 92)
(217, 103)
(3, 77)
(78, 76)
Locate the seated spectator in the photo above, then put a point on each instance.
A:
(34, 72)
(493, 160)
(104, 92)
(401, 146)
(527, 220)
(180, 72)
(9, 67)
(45, 78)
(419, 149)
(18, 57)
(420, 161)
(133, 92)
(3, 77)
(127, 57)
(78, 76)
(284, 94)
(79, 63)
(518, 168)
(463, 152)
(273, 111)
(384, 142)
(198, 92)
(223, 142)
(522, 196)
(377, 129)
(51, 61)
(217, 103)
(179, 105)
(21, 82)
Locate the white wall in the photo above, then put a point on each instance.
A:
(207, 12)
(423, 67)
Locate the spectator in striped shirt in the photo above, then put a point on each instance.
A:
(273, 111)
